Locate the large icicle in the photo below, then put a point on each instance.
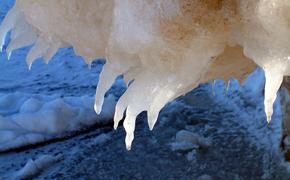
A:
(106, 80)
(274, 73)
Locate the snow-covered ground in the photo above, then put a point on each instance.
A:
(214, 130)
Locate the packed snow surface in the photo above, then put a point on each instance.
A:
(164, 47)
(33, 167)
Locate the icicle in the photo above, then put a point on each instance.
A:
(20, 26)
(152, 117)
(274, 77)
(228, 86)
(25, 39)
(160, 99)
(9, 55)
(213, 87)
(51, 51)
(129, 98)
(106, 80)
(120, 109)
(37, 51)
(8, 24)
(90, 65)
(129, 125)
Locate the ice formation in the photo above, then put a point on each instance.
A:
(164, 47)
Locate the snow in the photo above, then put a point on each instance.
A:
(34, 167)
(29, 119)
(186, 140)
(205, 177)
(191, 155)
(99, 140)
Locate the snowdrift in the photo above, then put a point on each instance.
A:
(164, 47)
(29, 119)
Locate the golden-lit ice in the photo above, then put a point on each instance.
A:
(167, 47)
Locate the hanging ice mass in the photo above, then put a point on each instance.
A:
(167, 47)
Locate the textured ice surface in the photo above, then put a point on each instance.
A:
(166, 47)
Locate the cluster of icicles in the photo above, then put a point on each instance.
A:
(163, 48)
